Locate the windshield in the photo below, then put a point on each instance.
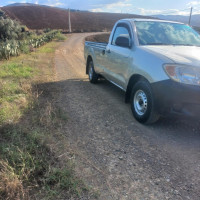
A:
(166, 33)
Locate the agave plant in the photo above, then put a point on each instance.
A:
(13, 47)
(5, 50)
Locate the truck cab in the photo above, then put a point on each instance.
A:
(154, 62)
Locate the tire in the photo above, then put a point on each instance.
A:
(143, 103)
(93, 76)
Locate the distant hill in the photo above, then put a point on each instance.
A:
(21, 4)
(40, 17)
(32, 4)
(195, 20)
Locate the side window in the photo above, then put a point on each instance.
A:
(122, 32)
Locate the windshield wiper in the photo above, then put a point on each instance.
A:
(158, 44)
(186, 45)
(154, 43)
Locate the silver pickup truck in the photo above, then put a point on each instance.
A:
(156, 63)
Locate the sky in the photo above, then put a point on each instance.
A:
(142, 7)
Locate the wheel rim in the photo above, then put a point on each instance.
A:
(140, 102)
(90, 72)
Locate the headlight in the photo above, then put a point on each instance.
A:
(183, 74)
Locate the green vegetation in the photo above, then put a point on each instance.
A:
(16, 39)
(29, 121)
(13, 77)
(15, 70)
(11, 29)
(23, 159)
(45, 49)
(10, 48)
(27, 160)
(62, 179)
(60, 36)
(29, 125)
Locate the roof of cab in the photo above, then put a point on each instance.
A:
(150, 20)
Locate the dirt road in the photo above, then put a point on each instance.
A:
(115, 154)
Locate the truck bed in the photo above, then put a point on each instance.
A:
(96, 44)
(95, 47)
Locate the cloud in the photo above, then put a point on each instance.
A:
(186, 12)
(143, 11)
(97, 10)
(119, 5)
(21, 1)
(55, 3)
(116, 7)
(127, 6)
(193, 3)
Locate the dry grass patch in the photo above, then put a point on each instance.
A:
(11, 186)
(29, 167)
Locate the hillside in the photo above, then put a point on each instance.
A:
(40, 17)
(195, 20)
(32, 4)
(21, 4)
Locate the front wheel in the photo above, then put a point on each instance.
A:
(93, 76)
(143, 104)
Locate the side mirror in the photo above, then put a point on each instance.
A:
(123, 42)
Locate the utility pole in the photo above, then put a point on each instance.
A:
(70, 27)
(190, 16)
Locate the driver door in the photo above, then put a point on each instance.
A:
(118, 56)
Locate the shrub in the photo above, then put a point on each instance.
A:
(60, 36)
(10, 29)
(24, 48)
(9, 48)
(13, 47)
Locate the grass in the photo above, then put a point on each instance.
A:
(45, 49)
(13, 93)
(26, 159)
(25, 49)
(10, 184)
(60, 36)
(49, 48)
(15, 70)
(29, 167)
(24, 153)
(62, 179)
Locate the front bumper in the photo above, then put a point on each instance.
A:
(177, 98)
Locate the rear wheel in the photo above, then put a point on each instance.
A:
(93, 76)
(143, 104)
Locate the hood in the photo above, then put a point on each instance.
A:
(189, 55)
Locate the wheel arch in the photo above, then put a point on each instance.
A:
(132, 81)
(89, 58)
